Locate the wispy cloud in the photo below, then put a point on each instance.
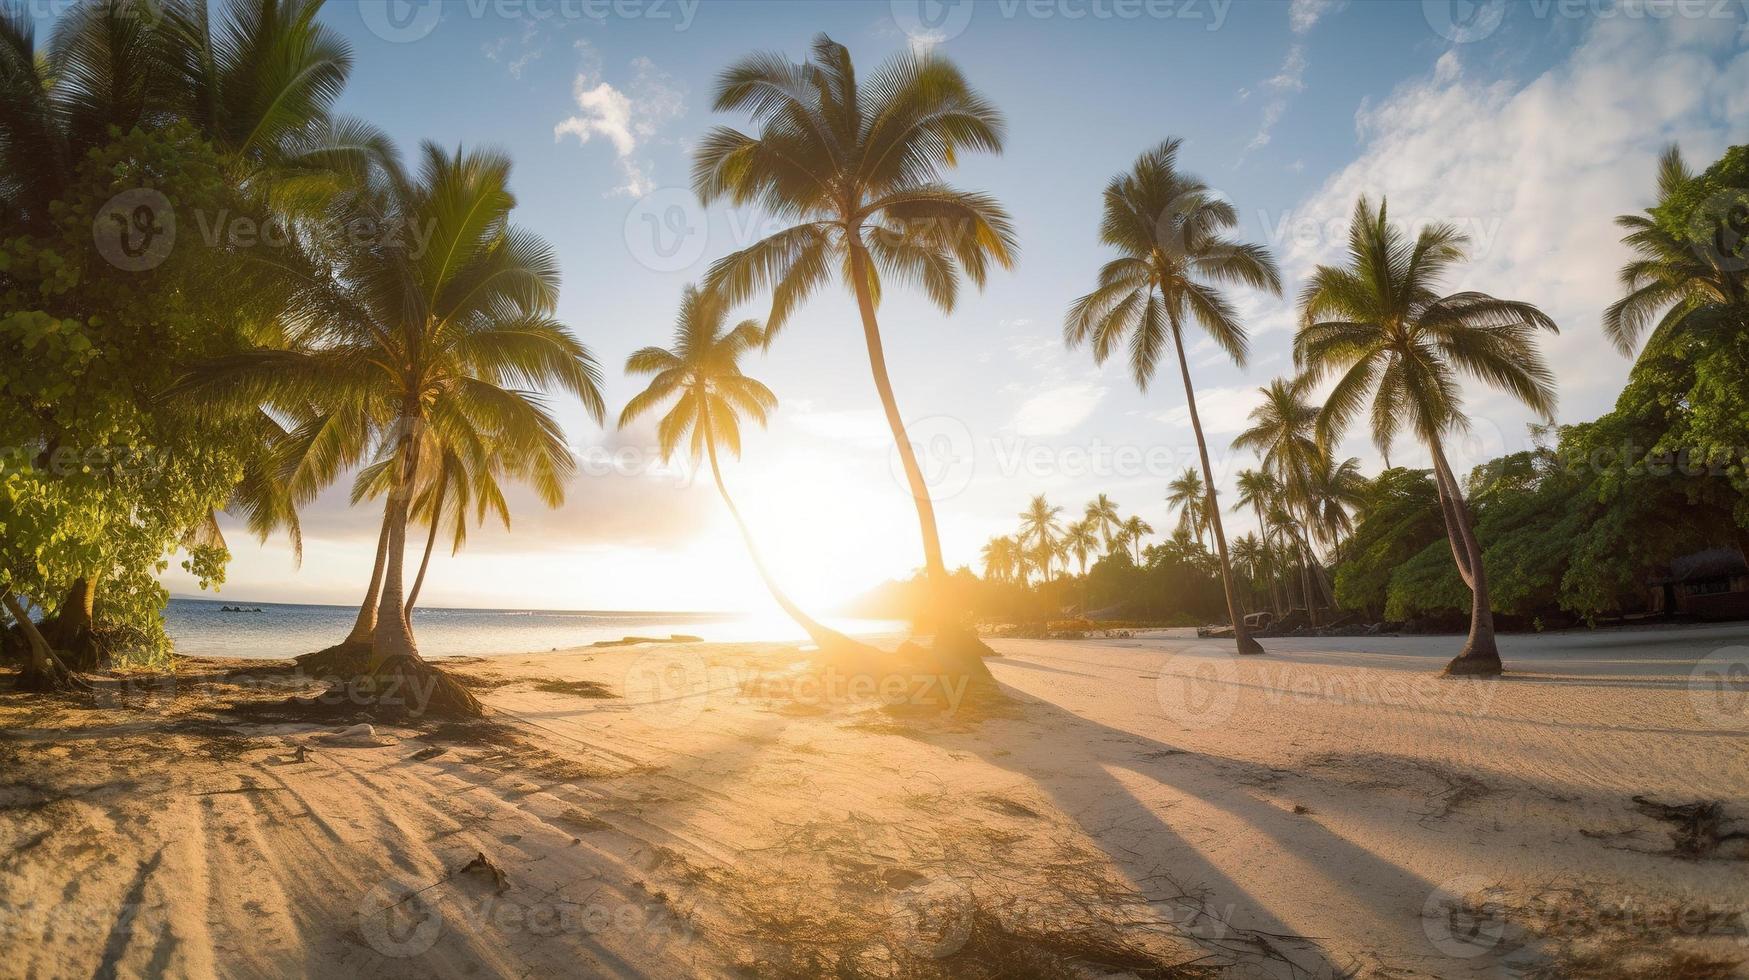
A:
(626, 118)
(1060, 410)
(1290, 78)
(1303, 15)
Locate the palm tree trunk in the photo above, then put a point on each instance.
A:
(1481, 653)
(823, 636)
(430, 540)
(43, 671)
(877, 360)
(1274, 582)
(1241, 638)
(393, 638)
(364, 627)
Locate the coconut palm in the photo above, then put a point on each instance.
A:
(1258, 489)
(1081, 540)
(1134, 530)
(1283, 433)
(1187, 495)
(1001, 558)
(1039, 525)
(701, 374)
(856, 165)
(1333, 492)
(442, 345)
(1381, 328)
(1682, 278)
(1102, 515)
(1251, 555)
(1175, 260)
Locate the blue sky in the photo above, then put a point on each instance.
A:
(1531, 125)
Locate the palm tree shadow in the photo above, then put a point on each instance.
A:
(1208, 904)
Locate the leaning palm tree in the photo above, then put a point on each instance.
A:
(701, 374)
(1187, 495)
(1102, 515)
(1039, 525)
(444, 344)
(857, 168)
(1380, 326)
(1134, 530)
(1682, 278)
(1175, 260)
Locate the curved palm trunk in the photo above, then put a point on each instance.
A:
(1481, 653)
(364, 627)
(430, 540)
(393, 638)
(43, 671)
(877, 360)
(822, 635)
(1241, 637)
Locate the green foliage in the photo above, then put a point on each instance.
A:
(1399, 518)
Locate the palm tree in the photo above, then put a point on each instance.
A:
(1669, 273)
(1333, 492)
(1039, 524)
(1187, 495)
(1169, 228)
(1283, 433)
(1102, 515)
(701, 373)
(858, 170)
(1000, 559)
(436, 346)
(1251, 555)
(1081, 539)
(1380, 326)
(1258, 489)
(1134, 530)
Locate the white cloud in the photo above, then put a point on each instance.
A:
(1054, 412)
(1303, 15)
(863, 427)
(1288, 79)
(1536, 173)
(1222, 411)
(626, 118)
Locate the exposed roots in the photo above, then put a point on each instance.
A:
(57, 679)
(1475, 665)
(342, 661)
(400, 687)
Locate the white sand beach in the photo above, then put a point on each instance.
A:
(1149, 806)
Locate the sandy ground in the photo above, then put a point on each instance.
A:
(1149, 806)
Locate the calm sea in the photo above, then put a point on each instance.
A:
(201, 628)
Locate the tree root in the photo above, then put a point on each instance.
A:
(1475, 665)
(342, 661)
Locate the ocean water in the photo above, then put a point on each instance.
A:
(200, 628)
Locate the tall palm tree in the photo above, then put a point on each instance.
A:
(1381, 327)
(858, 169)
(701, 373)
(1668, 273)
(1334, 491)
(441, 345)
(1039, 525)
(1082, 541)
(1169, 228)
(1283, 433)
(1001, 558)
(1250, 553)
(1102, 514)
(1186, 494)
(1134, 530)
